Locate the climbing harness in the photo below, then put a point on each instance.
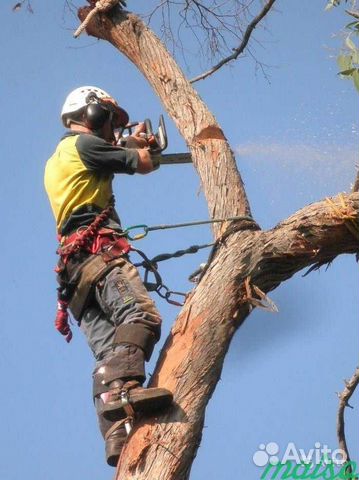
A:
(82, 241)
(95, 239)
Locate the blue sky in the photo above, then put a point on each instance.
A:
(296, 141)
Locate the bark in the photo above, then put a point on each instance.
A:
(191, 361)
(245, 259)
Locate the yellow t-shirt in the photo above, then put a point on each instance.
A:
(78, 178)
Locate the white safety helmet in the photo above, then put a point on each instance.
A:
(79, 98)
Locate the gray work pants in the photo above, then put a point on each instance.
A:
(121, 325)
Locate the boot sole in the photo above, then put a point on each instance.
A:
(141, 402)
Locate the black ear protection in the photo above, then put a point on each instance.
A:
(96, 114)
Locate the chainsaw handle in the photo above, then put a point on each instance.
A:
(148, 126)
(157, 141)
(162, 134)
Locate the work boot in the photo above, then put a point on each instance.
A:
(130, 398)
(115, 439)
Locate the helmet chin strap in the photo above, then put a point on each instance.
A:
(77, 122)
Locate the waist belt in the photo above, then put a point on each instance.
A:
(82, 264)
(106, 241)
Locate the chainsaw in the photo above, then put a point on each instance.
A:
(158, 142)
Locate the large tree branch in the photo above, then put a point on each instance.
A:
(240, 49)
(191, 360)
(313, 236)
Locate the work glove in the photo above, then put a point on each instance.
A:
(62, 320)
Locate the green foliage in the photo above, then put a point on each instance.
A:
(348, 60)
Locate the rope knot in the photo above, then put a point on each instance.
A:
(100, 6)
(104, 5)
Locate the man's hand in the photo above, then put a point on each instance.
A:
(137, 140)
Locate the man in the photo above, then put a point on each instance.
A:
(97, 281)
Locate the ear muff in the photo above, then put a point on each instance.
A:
(96, 116)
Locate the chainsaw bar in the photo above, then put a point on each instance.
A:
(175, 158)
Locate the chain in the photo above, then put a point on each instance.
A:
(158, 286)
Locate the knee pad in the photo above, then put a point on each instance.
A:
(135, 334)
(126, 362)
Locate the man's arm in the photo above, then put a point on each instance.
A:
(145, 163)
(102, 157)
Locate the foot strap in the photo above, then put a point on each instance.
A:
(128, 410)
(127, 422)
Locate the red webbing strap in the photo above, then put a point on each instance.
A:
(84, 237)
(92, 241)
(62, 320)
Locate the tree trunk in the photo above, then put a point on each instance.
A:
(251, 261)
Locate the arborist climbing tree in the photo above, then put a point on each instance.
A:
(96, 279)
(252, 261)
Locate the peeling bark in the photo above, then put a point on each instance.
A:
(191, 361)
(163, 448)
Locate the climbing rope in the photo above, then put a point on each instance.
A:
(100, 6)
(146, 229)
(179, 253)
(150, 265)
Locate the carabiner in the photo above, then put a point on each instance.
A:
(138, 236)
(170, 293)
(165, 293)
